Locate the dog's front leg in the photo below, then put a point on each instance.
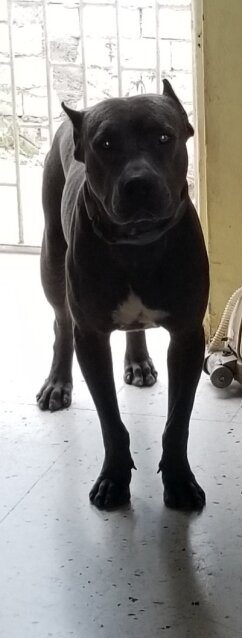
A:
(94, 356)
(185, 359)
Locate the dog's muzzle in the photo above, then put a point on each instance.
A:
(139, 191)
(136, 233)
(140, 196)
(143, 227)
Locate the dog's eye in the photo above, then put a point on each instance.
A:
(164, 138)
(106, 144)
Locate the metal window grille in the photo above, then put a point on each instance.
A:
(50, 65)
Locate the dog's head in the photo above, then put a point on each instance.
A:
(134, 150)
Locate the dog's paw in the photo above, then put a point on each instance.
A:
(54, 395)
(184, 494)
(107, 494)
(140, 374)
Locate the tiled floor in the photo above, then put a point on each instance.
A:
(70, 570)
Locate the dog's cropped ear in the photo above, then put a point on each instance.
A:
(76, 118)
(168, 91)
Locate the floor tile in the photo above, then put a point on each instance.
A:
(70, 570)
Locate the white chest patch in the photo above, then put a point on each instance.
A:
(133, 314)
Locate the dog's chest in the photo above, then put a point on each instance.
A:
(132, 314)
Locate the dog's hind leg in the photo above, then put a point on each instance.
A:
(139, 369)
(57, 388)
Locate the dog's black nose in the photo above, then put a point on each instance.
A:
(138, 189)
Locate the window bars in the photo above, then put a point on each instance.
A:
(50, 65)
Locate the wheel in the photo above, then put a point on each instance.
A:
(221, 376)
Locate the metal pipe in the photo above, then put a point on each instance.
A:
(82, 36)
(48, 72)
(157, 44)
(22, 249)
(119, 67)
(8, 184)
(15, 124)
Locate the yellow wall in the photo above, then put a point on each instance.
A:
(218, 58)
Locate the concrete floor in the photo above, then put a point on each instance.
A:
(70, 570)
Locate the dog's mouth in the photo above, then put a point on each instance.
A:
(130, 233)
(135, 232)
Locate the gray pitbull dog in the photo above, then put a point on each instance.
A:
(123, 249)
